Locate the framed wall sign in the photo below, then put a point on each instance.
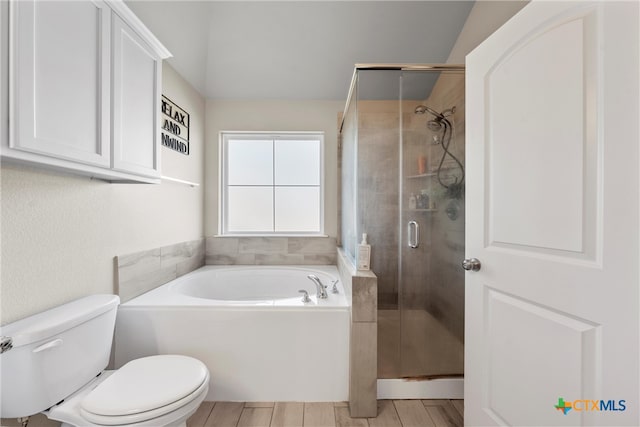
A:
(175, 127)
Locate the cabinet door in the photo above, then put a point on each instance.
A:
(136, 92)
(59, 75)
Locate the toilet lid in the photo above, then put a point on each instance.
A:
(146, 384)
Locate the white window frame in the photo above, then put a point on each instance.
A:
(223, 179)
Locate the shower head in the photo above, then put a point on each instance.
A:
(421, 109)
(440, 121)
(435, 125)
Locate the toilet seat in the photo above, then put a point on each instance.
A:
(144, 389)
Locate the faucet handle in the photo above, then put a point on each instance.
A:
(334, 290)
(305, 296)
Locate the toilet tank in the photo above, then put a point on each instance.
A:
(54, 353)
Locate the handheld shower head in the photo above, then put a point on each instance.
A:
(440, 121)
(442, 130)
(422, 109)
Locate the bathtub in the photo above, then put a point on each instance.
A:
(249, 325)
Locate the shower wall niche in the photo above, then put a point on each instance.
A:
(403, 185)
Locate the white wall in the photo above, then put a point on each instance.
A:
(176, 165)
(272, 115)
(61, 232)
(485, 17)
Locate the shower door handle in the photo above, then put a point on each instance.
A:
(413, 234)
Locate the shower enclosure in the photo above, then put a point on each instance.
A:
(402, 166)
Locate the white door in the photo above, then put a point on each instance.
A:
(553, 216)
(60, 84)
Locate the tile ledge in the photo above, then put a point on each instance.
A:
(353, 271)
(235, 236)
(365, 273)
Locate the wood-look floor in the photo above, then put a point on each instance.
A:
(391, 413)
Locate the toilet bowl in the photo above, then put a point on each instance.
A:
(151, 391)
(54, 363)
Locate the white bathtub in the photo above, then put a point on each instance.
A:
(250, 327)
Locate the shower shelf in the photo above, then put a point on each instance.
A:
(424, 175)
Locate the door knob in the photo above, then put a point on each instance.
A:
(471, 264)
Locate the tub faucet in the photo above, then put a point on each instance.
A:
(320, 288)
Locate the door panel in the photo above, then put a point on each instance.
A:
(554, 107)
(558, 213)
(552, 214)
(569, 367)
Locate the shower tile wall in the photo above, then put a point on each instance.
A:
(378, 154)
(446, 299)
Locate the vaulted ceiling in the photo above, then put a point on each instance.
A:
(296, 49)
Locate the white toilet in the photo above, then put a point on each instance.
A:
(53, 362)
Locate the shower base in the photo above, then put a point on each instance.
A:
(443, 388)
(416, 346)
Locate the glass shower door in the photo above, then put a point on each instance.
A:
(402, 141)
(431, 225)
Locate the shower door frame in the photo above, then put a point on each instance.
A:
(398, 387)
(392, 67)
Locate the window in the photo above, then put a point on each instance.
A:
(271, 183)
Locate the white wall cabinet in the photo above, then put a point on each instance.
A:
(60, 74)
(84, 88)
(137, 84)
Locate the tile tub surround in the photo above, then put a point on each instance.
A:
(361, 288)
(141, 272)
(270, 250)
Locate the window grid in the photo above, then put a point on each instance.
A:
(273, 181)
(226, 138)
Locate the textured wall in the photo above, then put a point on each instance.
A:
(60, 233)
